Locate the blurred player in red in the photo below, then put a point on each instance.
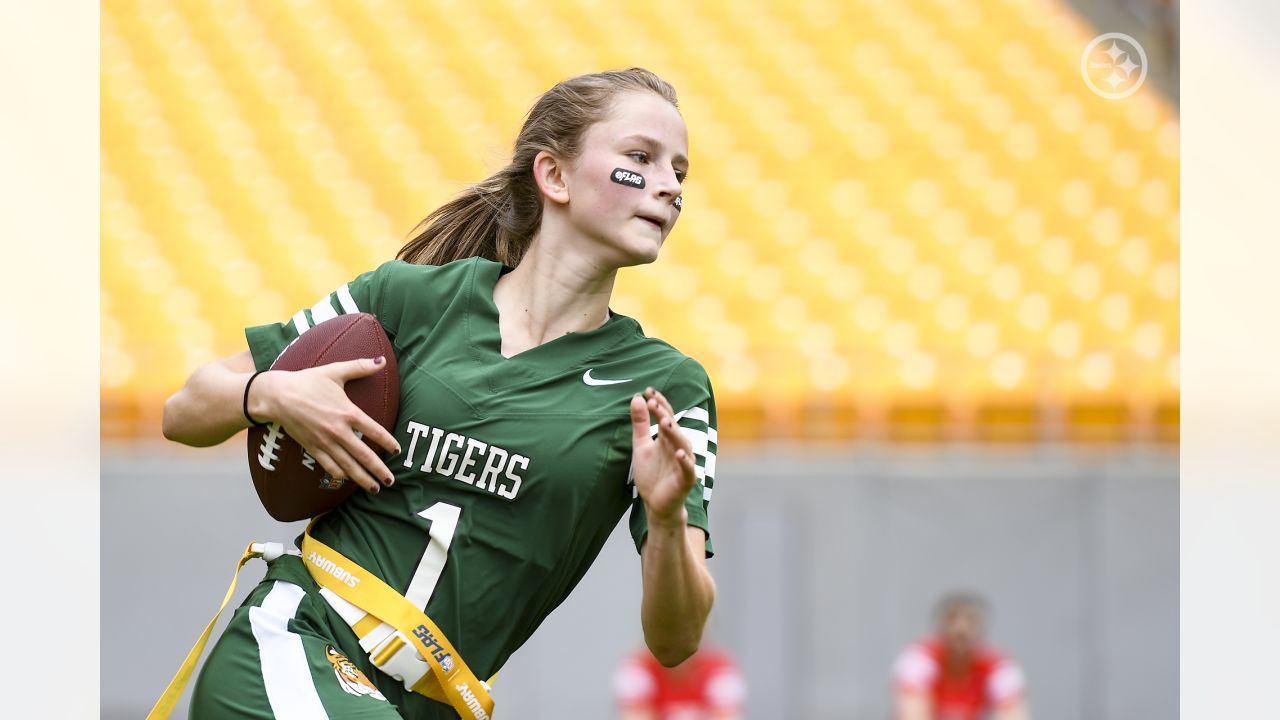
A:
(707, 686)
(955, 675)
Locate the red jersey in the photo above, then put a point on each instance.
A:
(704, 685)
(991, 681)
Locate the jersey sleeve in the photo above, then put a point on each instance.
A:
(634, 686)
(689, 391)
(915, 670)
(363, 294)
(726, 690)
(1005, 684)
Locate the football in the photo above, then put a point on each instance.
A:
(291, 484)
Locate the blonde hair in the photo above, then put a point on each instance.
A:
(498, 217)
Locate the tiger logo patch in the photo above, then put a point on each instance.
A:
(349, 676)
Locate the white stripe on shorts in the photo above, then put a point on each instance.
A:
(285, 671)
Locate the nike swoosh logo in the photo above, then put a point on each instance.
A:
(586, 378)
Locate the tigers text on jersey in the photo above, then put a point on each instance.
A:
(512, 471)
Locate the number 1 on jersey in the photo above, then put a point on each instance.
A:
(444, 523)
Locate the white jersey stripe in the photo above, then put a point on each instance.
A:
(653, 429)
(697, 413)
(697, 440)
(347, 302)
(285, 671)
(323, 310)
(1006, 683)
(300, 322)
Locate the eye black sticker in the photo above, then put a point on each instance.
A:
(626, 177)
(679, 203)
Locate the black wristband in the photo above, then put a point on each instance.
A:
(245, 407)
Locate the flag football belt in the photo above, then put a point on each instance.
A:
(169, 698)
(397, 634)
(430, 667)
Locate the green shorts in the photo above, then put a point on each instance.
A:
(286, 654)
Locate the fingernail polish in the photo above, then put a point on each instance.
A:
(379, 360)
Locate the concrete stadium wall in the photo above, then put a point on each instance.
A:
(827, 564)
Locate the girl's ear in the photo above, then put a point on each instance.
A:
(548, 172)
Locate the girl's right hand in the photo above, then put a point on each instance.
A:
(312, 407)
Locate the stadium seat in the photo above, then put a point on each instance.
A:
(906, 220)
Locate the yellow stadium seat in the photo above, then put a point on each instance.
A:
(905, 220)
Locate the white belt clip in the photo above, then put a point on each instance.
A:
(269, 550)
(405, 664)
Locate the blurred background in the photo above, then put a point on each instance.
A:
(931, 269)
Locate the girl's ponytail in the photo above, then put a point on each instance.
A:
(498, 218)
(493, 219)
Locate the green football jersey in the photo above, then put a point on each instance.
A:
(512, 471)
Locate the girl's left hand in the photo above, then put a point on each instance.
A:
(663, 467)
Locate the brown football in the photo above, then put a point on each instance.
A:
(291, 484)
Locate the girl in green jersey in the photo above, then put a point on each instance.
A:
(515, 276)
